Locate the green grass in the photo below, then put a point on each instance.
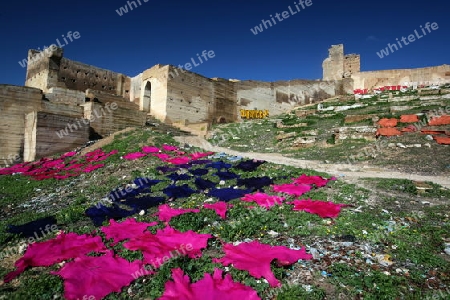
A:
(413, 235)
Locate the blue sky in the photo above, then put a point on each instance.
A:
(173, 32)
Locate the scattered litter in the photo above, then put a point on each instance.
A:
(273, 233)
(384, 259)
(447, 248)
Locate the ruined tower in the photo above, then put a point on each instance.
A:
(337, 65)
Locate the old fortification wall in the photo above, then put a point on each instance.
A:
(21, 127)
(281, 96)
(34, 124)
(15, 102)
(374, 79)
(41, 137)
(49, 69)
(80, 77)
(109, 113)
(337, 66)
(333, 65)
(190, 97)
(225, 99)
(152, 91)
(352, 65)
(43, 68)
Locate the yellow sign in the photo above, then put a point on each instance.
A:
(254, 114)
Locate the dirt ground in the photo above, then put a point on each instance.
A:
(348, 172)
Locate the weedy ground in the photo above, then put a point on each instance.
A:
(261, 135)
(385, 217)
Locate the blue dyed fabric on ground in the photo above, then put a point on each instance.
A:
(255, 183)
(199, 172)
(200, 161)
(219, 165)
(173, 191)
(228, 194)
(249, 165)
(226, 175)
(176, 176)
(31, 228)
(100, 213)
(143, 185)
(143, 203)
(204, 184)
(166, 169)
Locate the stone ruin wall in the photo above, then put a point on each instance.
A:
(374, 79)
(333, 65)
(80, 77)
(59, 93)
(43, 68)
(148, 85)
(352, 65)
(167, 93)
(190, 97)
(337, 66)
(281, 96)
(52, 70)
(25, 129)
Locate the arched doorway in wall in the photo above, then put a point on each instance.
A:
(221, 120)
(147, 98)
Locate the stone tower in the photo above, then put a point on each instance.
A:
(337, 66)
